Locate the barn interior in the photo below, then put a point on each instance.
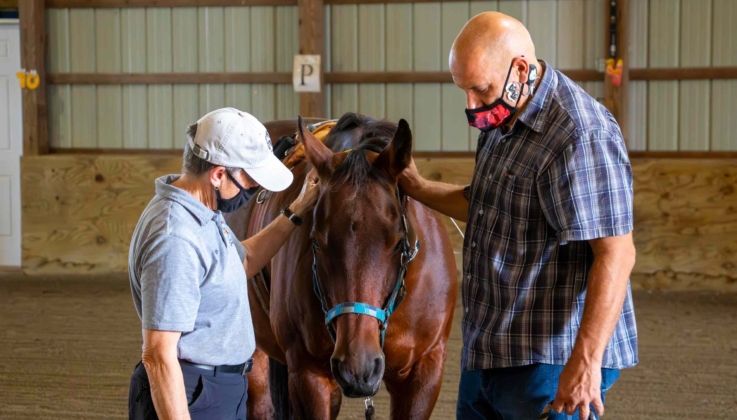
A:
(95, 96)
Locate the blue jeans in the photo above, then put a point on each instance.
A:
(518, 393)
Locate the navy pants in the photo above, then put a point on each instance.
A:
(518, 393)
(210, 397)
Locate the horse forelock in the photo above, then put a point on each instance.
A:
(361, 134)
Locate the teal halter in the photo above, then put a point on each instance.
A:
(396, 297)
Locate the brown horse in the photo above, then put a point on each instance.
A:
(348, 256)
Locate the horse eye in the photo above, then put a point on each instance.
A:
(398, 246)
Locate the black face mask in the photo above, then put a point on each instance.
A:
(496, 114)
(232, 204)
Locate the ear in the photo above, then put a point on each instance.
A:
(397, 155)
(320, 156)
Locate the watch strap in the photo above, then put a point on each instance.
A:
(291, 216)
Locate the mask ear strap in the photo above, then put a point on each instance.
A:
(506, 81)
(240, 187)
(531, 78)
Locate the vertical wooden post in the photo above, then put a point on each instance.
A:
(33, 57)
(311, 16)
(616, 99)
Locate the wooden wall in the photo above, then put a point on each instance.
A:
(155, 40)
(691, 114)
(418, 37)
(366, 37)
(79, 212)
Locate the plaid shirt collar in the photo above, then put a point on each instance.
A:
(534, 113)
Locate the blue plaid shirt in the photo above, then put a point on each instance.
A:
(560, 177)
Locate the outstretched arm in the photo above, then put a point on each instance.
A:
(447, 199)
(262, 247)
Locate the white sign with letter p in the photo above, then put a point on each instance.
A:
(306, 73)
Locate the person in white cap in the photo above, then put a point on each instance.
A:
(188, 271)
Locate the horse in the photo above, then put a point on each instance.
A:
(363, 291)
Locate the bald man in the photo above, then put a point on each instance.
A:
(548, 314)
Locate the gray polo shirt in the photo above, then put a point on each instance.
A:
(186, 274)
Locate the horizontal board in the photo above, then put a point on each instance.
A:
(216, 3)
(274, 77)
(695, 73)
(163, 3)
(585, 75)
(166, 78)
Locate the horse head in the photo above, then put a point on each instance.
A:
(359, 238)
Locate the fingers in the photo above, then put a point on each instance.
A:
(558, 405)
(312, 177)
(569, 407)
(598, 405)
(584, 411)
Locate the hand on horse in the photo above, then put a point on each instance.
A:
(410, 178)
(308, 196)
(579, 387)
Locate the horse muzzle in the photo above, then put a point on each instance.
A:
(360, 377)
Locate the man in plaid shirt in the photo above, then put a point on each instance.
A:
(548, 314)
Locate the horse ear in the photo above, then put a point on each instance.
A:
(320, 156)
(397, 155)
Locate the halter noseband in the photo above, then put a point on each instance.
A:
(396, 297)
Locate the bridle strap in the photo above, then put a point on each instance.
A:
(359, 308)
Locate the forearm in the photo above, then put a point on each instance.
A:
(606, 291)
(167, 387)
(262, 247)
(447, 199)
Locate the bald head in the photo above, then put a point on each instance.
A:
(492, 37)
(484, 50)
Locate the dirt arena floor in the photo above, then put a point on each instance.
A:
(69, 346)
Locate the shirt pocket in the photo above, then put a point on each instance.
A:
(518, 198)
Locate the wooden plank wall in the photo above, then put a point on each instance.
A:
(418, 37)
(693, 115)
(155, 40)
(79, 212)
(690, 115)
(365, 37)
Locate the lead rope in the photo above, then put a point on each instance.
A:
(457, 227)
(370, 410)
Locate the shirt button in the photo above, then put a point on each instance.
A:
(466, 310)
(481, 211)
(468, 277)
(473, 244)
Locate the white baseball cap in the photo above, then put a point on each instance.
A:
(236, 139)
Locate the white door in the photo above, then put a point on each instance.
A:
(11, 145)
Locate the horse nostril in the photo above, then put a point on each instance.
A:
(378, 369)
(334, 364)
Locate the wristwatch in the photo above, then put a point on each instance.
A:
(291, 216)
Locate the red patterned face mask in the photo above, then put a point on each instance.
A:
(496, 114)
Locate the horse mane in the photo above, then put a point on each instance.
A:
(360, 134)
